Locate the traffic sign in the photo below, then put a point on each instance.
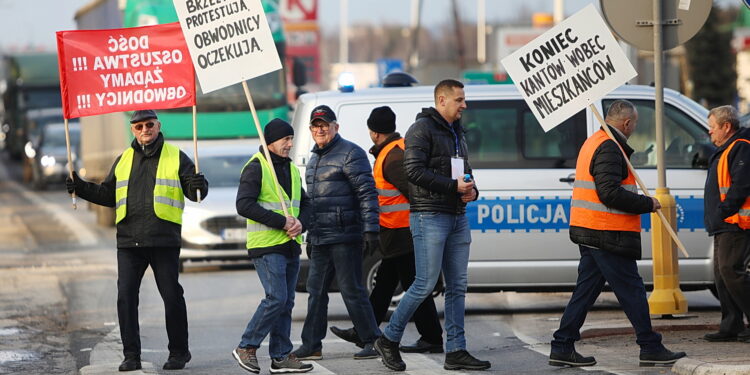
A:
(633, 20)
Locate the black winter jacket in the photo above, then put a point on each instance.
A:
(344, 203)
(394, 241)
(430, 145)
(609, 168)
(141, 227)
(248, 207)
(715, 211)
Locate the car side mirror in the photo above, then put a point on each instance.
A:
(700, 155)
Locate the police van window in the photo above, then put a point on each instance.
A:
(683, 136)
(505, 134)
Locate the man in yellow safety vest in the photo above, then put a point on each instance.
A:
(147, 185)
(273, 242)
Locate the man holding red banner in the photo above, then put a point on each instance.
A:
(147, 185)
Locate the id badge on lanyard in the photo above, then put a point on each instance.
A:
(457, 162)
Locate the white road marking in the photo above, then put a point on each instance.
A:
(83, 235)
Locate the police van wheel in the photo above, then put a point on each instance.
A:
(370, 267)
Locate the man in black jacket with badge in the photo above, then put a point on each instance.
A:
(436, 160)
(146, 185)
(344, 213)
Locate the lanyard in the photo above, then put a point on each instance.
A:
(455, 139)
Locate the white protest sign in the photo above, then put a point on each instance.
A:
(568, 67)
(229, 40)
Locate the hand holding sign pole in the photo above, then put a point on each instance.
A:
(568, 68)
(230, 42)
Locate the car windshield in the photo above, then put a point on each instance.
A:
(223, 170)
(55, 137)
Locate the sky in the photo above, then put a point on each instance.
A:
(34, 22)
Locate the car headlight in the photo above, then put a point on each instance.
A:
(28, 149)
(48, 161)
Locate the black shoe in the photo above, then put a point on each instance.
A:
(720, 337)
(349, 335)
(368, 352)
(389, 353)
(177, 361)
(422, 346)
(573, 359)
(305, 355)
(462, 360)
(744, 336)
(130, 364)
(664, 357)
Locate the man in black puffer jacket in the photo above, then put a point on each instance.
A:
(436, 161)
(146, 184)
(344, 206)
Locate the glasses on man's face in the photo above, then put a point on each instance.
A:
(139, 127)
(320, 126)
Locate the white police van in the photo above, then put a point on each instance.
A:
(525, 177)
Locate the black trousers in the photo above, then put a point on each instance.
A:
(131, 265)
(731, 252)
(402, 269)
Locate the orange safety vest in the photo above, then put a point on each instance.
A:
(741, 218)
(586, 210)
(394, 207)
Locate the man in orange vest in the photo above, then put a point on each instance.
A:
(727, 219)
(396, 243)
(605, 223)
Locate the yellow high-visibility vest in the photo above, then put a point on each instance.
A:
(260, 235)
(169, 200)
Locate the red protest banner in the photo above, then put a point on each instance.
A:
(104, 71)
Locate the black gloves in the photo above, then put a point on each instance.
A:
(198, 182)
(372, 244)
(70, 183)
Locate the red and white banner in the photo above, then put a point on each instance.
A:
(116, 70)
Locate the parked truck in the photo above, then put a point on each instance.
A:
(222, 114)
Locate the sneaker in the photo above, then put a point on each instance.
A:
(349, 335)
(462, 360)
(389, 354)
(422, 346)
(720, 337)
(573, 359)
(130, 364)
(247, 359)
(368, 352)
(289, 364)
(305, 355)
(177, 361)
(664, 357)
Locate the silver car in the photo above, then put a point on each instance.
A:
(212, 230)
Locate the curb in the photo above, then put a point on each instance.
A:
(688, 366)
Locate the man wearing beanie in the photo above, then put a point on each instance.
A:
(344, 217)
(396, 244)
(273, 242)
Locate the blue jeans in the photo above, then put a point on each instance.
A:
(343, 261)
(596, 267)
(441, 241)
(278, 274)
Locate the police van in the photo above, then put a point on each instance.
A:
(519, 224)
